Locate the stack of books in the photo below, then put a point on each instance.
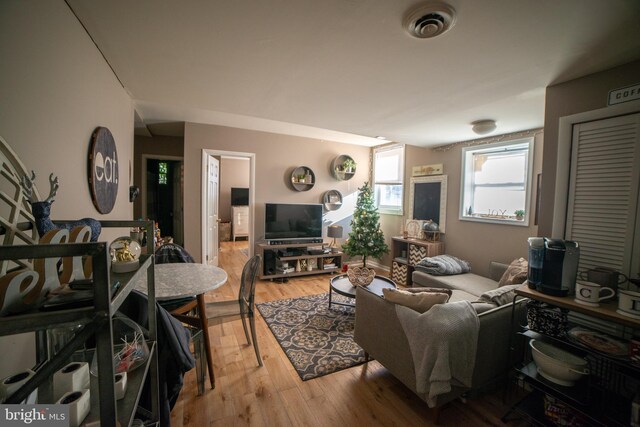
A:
(329, 266)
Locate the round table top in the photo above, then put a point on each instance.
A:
(179, 280)
(343, 286)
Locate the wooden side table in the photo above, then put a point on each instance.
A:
(406, 253)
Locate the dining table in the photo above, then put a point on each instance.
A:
(176, 281)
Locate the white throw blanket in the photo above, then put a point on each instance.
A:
(443, 342)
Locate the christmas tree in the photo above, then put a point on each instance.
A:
(366, 238)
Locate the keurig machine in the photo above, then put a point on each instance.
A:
(553, 265)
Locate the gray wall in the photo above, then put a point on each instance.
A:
(56, 89)
(276, 156)
(572, 97)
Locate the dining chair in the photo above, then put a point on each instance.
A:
(188, 310)
(223, 311)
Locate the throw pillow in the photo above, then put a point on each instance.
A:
(418, 301)
(499, 296)
(516, 273)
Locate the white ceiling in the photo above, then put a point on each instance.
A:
(346, 70)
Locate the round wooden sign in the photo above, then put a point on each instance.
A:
(103, 170)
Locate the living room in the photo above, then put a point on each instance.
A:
(57, 88)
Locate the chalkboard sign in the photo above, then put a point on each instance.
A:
(426, 202)
(428, 199)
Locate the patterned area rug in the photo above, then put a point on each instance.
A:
(317, 341)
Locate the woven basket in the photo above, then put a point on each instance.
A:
(360, 276)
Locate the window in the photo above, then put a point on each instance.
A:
(162, 173)
(388, 175)
(496, 182)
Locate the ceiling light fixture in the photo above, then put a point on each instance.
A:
(483, 127)
(381, 137)
(429, 20)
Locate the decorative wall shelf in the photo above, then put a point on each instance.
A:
(303, 178)
(341, 169)
(332, 200)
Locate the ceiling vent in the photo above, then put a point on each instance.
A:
(430, 20)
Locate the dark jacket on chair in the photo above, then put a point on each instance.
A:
(174, 356)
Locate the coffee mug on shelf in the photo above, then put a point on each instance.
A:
(604, 276)
(589, 293)
(629, 303)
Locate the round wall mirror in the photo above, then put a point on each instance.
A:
(332, 200)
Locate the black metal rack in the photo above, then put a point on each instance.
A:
(601, 399)
(95, 321)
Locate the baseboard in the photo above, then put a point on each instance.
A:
(377, 265)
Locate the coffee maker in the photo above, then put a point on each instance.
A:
(553, 265)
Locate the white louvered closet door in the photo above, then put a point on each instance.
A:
(602, 214)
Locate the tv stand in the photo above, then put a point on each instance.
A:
(308, 259)
(294, 241)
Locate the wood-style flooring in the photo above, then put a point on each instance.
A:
(274, 395)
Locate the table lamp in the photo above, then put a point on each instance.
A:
(334, 231)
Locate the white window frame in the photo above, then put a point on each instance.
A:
(387, 209)
(466, 171)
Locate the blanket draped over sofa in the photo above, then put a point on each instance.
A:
(442, 265)
(443, 344)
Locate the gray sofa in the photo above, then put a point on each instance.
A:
(469, 286)
(379, 332)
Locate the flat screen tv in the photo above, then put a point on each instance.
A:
(292, 221)
(239, 196)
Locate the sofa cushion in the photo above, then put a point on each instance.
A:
(458, 295)
(501, 296)
(418, 301)
(516, 273)
(481, 306)
(468, 282)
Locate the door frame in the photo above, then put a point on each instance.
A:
(143, 179)
(143, 183)
(563, 158)
(203, 196)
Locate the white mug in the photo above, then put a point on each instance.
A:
(629, 303)
(590, 293)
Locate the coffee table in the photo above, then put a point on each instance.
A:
(341, 285)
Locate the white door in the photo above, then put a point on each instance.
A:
(213, 171)
(602, 204)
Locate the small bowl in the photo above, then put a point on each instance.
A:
(557, 365)
(361, 276)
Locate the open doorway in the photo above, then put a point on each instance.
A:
(226, 217)
(163, 195)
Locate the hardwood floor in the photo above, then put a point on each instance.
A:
(274, 395)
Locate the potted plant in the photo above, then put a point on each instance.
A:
(519, 214)
(349, 165)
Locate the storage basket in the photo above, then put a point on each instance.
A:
(361, 276)
(399, 273)
(416, 253)
(547, 319)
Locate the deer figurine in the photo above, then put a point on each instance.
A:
(42, 209)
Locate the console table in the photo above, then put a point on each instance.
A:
(406, 253)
